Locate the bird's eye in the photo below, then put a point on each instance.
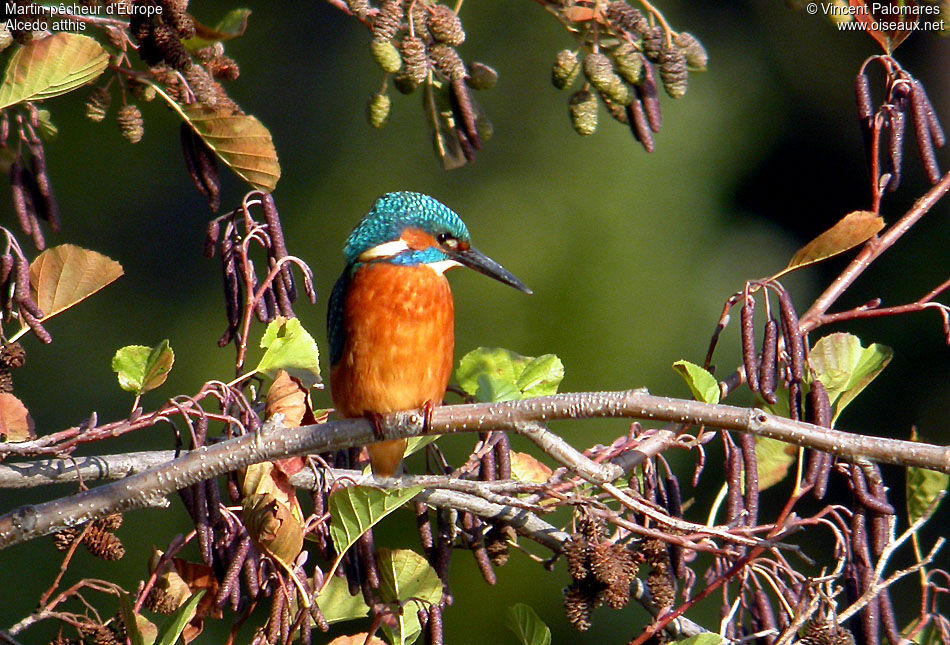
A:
(447, 241)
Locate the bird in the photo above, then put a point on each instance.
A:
(391, 315)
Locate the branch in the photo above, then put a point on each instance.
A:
(273, 441)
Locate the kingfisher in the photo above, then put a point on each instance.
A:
(391, 317)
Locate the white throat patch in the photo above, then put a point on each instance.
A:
(384, 250)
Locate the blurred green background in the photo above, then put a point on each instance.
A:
(630, 254)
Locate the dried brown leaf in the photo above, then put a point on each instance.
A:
(65, 275)
(15, 422)
(851, 230)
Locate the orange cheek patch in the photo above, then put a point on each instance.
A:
(418, 240)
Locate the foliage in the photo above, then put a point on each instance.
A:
(633, 528)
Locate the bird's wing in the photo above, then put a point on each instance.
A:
(335, 329)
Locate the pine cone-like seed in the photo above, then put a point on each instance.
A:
(159, 601)
(600, 72)
(98, 104)
(654, 551)
(626, 18)
(629, 63)
(414, 59)
(12, 355)
(130, 123)
(653, 41)
(165, 39)
(64, 539)
(661, 588)
(600, 555)
(673, 72)
(386, 55)
(419, 15)
(142, 91)
(495, 543)
(377, 110)
(103, 544)
(447, 61)
(104, 636)
(583, 110)
(6, 380)
(481, 76)
(6, 38)
(696, 56)
(577, 608)
(224, 67)
(445, 26)
(109, 522)
(358, 8)
(843, 637)
(389, 19)
(575, 552)
(565, 70)
(404, 83)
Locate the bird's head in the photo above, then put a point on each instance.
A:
(412, 229)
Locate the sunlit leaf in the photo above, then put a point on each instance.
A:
(337, 604)
(287, 396)
(141, 369)
(526, 468)
(407, 578)
(231, 26)
(415, 444)
(289, 347)
(273, 527)
(845, 368)
(774, 458)
(527, 625)
(239, 140)
(51, 66)
(494, 374)
(701, 383)
(887, 13)
(357, 639)
(65, 275)
(16, 424)
(355, 509)
(922, 488)
(853, 229)
(172, 629)
(140, 630)
(708, 638)
(48, 129)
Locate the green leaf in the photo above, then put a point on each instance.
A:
(51, 66)
(289, 347)
(494, 374)
(140, 630)
(773, 458)
(407, 578)
(48, 129)
(845, 368)
(231, 26)
(699, 639)
(176, 623)
(355, 509)
(141, 369)
(701, 383)
(929, 635)
(922, 488)
(415, 444)
(527, 625)
(338, 605)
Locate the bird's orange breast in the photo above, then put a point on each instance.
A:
(399, 326)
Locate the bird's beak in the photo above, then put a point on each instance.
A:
(475, 259)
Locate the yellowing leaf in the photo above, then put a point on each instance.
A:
(773, 458)
(406, 579)
(922, 487)
(239, 140)
(526, 468)
(15, 422)
(51, 66)
(273, 527)
(845, 368)
(337, 604)
(289, 347)
(851, 230)
(141, 369)
(701, 383)
(65, 275)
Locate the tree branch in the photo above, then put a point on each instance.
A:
(273, 441)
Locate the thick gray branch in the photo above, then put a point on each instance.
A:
(151, 487)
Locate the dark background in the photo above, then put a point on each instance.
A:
(630, 255)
